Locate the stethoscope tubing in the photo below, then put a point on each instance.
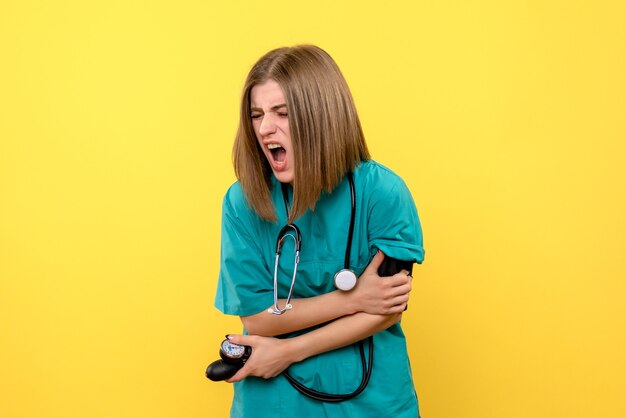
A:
(297, 237)
(366, 365)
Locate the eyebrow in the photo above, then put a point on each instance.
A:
(258, 109)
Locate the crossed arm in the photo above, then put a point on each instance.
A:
(372, 306)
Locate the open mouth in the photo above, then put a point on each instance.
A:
(278, 153)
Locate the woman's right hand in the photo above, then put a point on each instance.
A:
(270, 356)
(381, 295)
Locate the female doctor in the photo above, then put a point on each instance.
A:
(301, 159)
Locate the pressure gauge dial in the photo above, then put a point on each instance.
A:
(234, 353)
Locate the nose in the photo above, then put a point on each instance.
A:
(267, 126)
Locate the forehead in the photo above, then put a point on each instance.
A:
(268, 94)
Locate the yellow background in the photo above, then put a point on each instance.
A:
(506, 119)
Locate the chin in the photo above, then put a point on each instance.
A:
(284, 177)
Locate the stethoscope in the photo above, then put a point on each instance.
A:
(345, 280)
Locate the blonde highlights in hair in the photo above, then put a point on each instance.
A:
(326, 133)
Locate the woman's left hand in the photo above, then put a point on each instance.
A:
(378, 295)
(270, 356)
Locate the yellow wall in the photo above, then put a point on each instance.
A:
(506, 119)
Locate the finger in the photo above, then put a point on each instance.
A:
(241, 339)
(400, 300)
(377, 260)
(398, 279)
(404, 289)
(239, 376)
(397, 300)
(398, 308)
(402, 273)
(399, 304)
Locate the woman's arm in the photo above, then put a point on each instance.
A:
(271, 356)
(372, 295)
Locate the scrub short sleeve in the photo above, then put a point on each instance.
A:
(393, 225)
(245, 283)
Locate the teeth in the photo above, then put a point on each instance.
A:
(273, 146)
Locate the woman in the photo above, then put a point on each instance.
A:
(300, 156)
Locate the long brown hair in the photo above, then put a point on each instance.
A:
(326, 133)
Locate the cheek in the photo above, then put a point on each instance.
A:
(287, 132)
(255, 129)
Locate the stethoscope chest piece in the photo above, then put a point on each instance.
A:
(345, 280)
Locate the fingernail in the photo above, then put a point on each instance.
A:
(228, 337)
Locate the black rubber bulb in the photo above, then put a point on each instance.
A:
(220, 370)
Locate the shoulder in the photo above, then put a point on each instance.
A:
(375, 177)
(381, 189)
(235, 203)
(374, 172)
(392, 220)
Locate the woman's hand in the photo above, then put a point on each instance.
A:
(270, 356)
(382, 295)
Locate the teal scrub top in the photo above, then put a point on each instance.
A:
(386, 219)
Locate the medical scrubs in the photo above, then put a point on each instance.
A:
(386, 219)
